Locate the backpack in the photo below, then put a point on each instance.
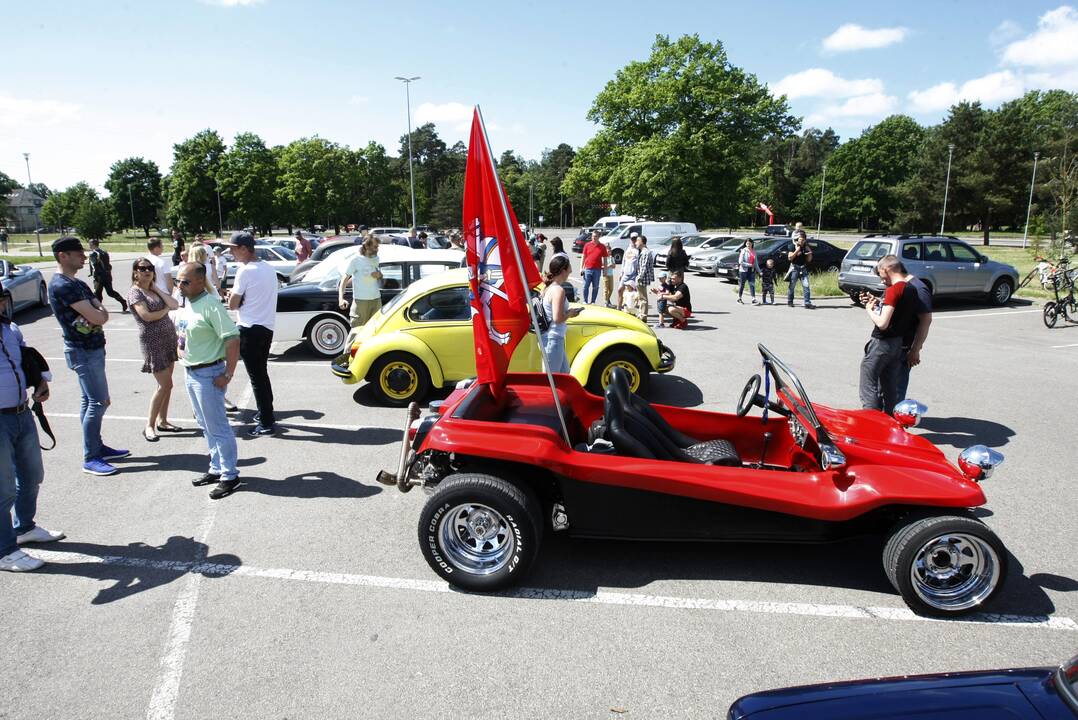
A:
(540, 312)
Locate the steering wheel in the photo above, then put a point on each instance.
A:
(750, 396)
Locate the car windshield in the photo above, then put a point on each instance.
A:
(390, 306)
(617, 231)
(790, 388)
(769, 245)
(693, 240)
(332, 267)
(286, 252)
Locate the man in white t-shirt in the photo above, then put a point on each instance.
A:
(162, 266)
(254, 297)
(362, 272)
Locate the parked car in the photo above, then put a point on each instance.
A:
(326, 248)
(308, 310)
(499, 472)
(423, 339)
(290, 241)
(618, 238)
(692, 244)
(280, 258)
(725, 256)
(26, 285)
(779, 230)
(825, 257)
(1040, 693)
(705, 260)
(948, 266)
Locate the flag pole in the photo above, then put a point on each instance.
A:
(524, 280)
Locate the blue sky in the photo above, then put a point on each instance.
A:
(93, 81)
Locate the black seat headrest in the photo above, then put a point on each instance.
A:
(621, 383)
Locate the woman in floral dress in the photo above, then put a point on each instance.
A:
(157, 338)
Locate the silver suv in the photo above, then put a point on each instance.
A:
(945, 264)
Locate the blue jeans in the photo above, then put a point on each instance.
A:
(208, 402)
(591, 284)
(89, 365)
(747, 277)
(799, 271)
(20, 474)
(554, 350)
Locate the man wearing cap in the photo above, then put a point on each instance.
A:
(101, 272)
(209, 348)
(21, 471)
(82, 317)
(254, 297)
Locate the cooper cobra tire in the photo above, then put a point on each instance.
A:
(398, 378)
(945, 565)
(479, 532)
(1001, 292)
(326, 336)
(1049, 315)
(615, 357)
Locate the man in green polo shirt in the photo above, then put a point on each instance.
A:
(209, 347)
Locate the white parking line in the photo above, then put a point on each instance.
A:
(600, 597)
(1057, 347)
(947, 316)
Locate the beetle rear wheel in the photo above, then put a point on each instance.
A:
(399, 378)
(945, 565)
(630, 361)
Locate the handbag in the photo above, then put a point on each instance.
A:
(35, 368)
(541, 318)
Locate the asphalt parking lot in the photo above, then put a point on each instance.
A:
(303, 595)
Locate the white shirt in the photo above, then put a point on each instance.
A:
(364, 287)
(256, 283)
(221, 266)
(162, 266)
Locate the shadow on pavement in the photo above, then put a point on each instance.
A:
(162, 564)
(310, 485)
(188, 462)
(960, 432)
(588, 565)
(674, 390)
(945, 304)
(341, 436)
(364, 395)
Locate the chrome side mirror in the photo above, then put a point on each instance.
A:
(831, 458)
(908, 413)
(978, 462)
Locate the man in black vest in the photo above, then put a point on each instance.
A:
(101, 272)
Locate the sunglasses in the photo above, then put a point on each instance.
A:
(184, 283)
(143, 268)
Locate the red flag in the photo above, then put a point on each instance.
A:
(500, 316)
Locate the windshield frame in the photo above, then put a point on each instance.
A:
(789, 389)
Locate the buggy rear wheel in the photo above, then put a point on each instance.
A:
(945, 565)
(479, 532)
(1049, 314)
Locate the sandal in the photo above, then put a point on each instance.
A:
(169, 428)
(149, 438)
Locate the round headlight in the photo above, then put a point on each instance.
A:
(908, 412)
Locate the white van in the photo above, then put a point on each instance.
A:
(609, 222)
(618, 238)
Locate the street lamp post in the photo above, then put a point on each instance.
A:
(220, 218)
(819, 218)
(408, 101)
(1029, 205)
(131, 202)
(37, 218)
(946, 186)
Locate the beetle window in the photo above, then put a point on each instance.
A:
(442, 305)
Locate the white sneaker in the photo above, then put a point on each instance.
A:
(19, 561)
(39, 535)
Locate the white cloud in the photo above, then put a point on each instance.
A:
(1004, 33)
(15, 112)
(231, 3)
(854, 37)
(817, 82)
(873, 105)
(990, 89)
(449, 113)
(1053, 44)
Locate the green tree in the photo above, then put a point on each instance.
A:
(92, 218)
(317, 181)
(678, 132)
(192, 188)
(134, 186)
(7, 184)
(40, 189)
(248, 176)
(377, 195)
(61, 208)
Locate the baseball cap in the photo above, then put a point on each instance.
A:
(66, 244)
(633, 236)
(242, 238)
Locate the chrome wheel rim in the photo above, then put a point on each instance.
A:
(476, 538)
(955, 572)
(1003, 293)
(328, 336)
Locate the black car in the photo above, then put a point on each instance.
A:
(825, 257)
(779, 230)
(1033, 693)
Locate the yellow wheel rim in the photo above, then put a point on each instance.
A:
(386, 377)
(634, 374)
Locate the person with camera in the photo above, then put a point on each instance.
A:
(799, 258)
(892, 318)
(21, 471)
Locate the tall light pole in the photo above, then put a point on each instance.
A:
(1029, 206)
(408, 100)
(819, 218)
(220, 218)
(946, 186)
(37, 218)
(131, 201)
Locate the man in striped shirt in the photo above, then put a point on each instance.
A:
(645, 275)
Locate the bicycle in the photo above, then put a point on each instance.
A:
(1061, 278)
(1043, 271)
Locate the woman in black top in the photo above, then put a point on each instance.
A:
(677, 260)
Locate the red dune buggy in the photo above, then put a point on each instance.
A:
(501, 475)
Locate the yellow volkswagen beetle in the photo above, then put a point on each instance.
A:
(422, 339)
